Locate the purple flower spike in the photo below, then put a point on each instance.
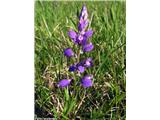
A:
(80, 38)
(88, 33)
(81, 69)
(64, 83)
(88, 62)
(86, 81)
(68, 52)
(88, 47)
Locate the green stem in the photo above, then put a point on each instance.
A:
(78, 54)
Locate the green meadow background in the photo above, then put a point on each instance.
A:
(106, 99)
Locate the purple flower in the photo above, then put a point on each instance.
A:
(86, 81)
(77, 67)
(68, 52)
(81, 69)
(88, 33)
(82, 25)
(72, 68)
(80, 39)
(88, 62)
(77, 38)
(64, 83)
(88, 47)
(83, 19)
(84, 13)
(73, 35)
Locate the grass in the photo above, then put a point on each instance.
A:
(106, 99)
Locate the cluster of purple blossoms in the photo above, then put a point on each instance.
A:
(80, 38)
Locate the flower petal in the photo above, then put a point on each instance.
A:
(72, 34)
(88, 62)
(88, 33)
(68, 52)
(81, 69)
(82, 25)
(88, 47)
(84, 42)
(79, 39)
(72, 68)
(86, 81)
(64, 83)
(84, 13)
